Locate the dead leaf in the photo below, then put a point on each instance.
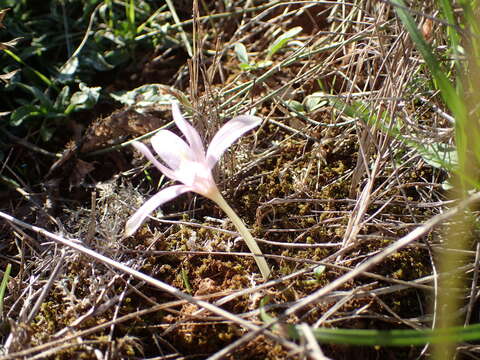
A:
(2, 16)
(10, 44)
(6, 77)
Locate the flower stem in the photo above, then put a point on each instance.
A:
(242, 229)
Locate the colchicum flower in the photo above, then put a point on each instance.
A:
(187, 163)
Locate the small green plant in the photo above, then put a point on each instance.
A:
(275, 46)
(49, 111)
(41, 95)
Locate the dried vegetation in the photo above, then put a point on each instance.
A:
(322, 190)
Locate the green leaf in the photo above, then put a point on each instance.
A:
(118, 56)
(241, 52)
(98, 62)
(246, 67)
(22, 113)
(84, 99)
(440, 156)
(282, 40)
(263, 64)
(68, 70)
(63, 99)
(315, 101)
(295, 106)
(319, 270)
(146, 95)
(38, 95)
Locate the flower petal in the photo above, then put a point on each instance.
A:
(197, 176)
(155, 201)
(192, 136)
(148, 154)
(228, 134)
(172, 149)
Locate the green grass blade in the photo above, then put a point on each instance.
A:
(397, 337)
(435, 154)
(449, 94)
(392, 338)
(452, 34)
(3, 286)
(130, 13)
(37, 73)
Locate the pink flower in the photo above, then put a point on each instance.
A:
(187, 162)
